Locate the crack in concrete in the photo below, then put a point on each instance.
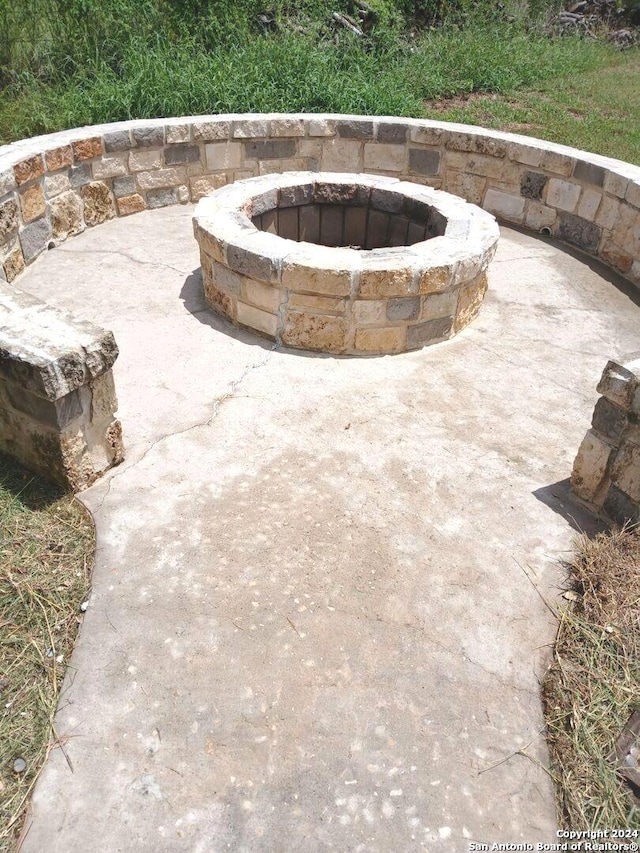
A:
(217, 404)
(134, 260)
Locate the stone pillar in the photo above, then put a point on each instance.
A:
(606, 472)
(57, 398)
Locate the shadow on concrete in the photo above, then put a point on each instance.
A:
(559, 497)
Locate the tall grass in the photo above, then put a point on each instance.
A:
(93, 61)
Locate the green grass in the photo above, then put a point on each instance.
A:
(596, 110)
(46, 552)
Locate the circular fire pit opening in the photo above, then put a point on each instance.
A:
(357, 264)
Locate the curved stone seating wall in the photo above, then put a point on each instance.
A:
(52, 187)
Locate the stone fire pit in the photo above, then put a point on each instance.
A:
(344, 263)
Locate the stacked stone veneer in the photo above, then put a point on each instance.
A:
(57, 399)
(282, 255)
(53, 187)
(606, 472)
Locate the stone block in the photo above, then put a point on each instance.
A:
(291, 127)
(56, 184)
(270, 149)
(8, 218)
(615, 184)
(29, 169)
(314, 331)
(589, 204)
(176, 134)
(625, 471)
(354, 129)
(469, 187)
(305, 272)
(177, 154)
(532, 184)
(438, 305)
(426, 135)
(322, 127)
(49, 413)
(13, 263)
(590, 475)
(435, 279)
(618, 384)
(589, 173)
(162, 197)
(424, 161)
(504, 205)
(250, 128)
(144, 161)
(370, 312)
(87, 149)
(585, 235)
(382, 340)
(339, 155)
(608, 212)
(128, 204)
(556, 163)
(475, 164)
(539, 216)
(206, 184)
(257, 320)
(208, 131)
(318, 304)
(226, 279)
(260, 295)
(429, 332)
(470, 300)
(403, 308)
(80, 176)
(59, 158)
(7, 181)
(109, 167)
(220, 301)
(160, 178)
(223, 155)
(34, 238)
(616, 257)
(98, 203)
(383, 157)
(391, 133)
(609, 420)
(32, 203)
(124, 186)
(632, 194)
(563, 195)
(151, 136)
(117, 140)
(252, 264)
(66, 216)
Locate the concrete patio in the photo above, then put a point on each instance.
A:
(317, 617)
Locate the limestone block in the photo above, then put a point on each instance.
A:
(177, 154)
(474, 164)
(261, 295)
(385, 157)
(206, 184)
(539, 216)
(129, 204)
(7, 181)
(616, 257)
(66, 216)
(34, 238)
(59, 158)
(589, 204)
(13, 263)
(117, 140)
(287, 127)
(381, 278)
(250, 128)
(98, 203)
(321, 304)
(632, 194)
(177, 133)
(585, 235)
(429, 332)
(87, 149)
(615, 184)
(322, 127)
(161, 178)
(625, 471)
(504, 205)
(144, 161)
(528, 155)
(226, 279)
(319, 272)
(426, 135)
(124, 186)
(314, 331)
(589, 478)
(424, 161)
(269, 149)
(8, 218)
(29, 169)
(32, 203)
(469, 302)
(589, 173)
(403, 308)
(438, 305)
(609, 420)
(80, 176)
(151, 136)
(619, 382)
(56, 184)
(607, 214)
(354, 128)
(469, 187)
(436, 278)
(162, 197)
(223, 155)
(532, 184)
(220, 301)
(339, 155)
(257, 319)
(370, 312)
(563, 195)
(110, 167)
(556, 163)
(276, 167)
(206, 131)
(392, 339)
